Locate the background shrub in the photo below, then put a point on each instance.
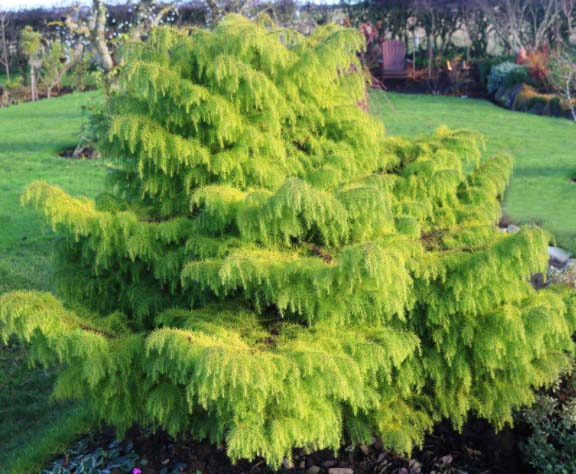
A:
(517, 75)
(506, 74)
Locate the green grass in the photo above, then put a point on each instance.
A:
(30, 137)
(544, 151)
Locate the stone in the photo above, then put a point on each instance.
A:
(365, 449)
(558, 257)
(512, 229)
(538, 281)
(537, 108)
(415, 466)
(563, 276)
(500, 96)
(446, 460)
(314, 470)
(511, 95)
(340, 470)
(329, 463)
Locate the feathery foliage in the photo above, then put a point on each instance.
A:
(269, 271)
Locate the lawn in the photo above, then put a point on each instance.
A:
(544, 151)
(30, 136)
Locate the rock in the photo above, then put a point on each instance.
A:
(365, 449)
(313, 470)
(512, 229)
(558, 257)
(446, 460)
(511, 95)
(500, 96)
(565, 275)
(340, 470)
(288, 464)
(329, 463)
(415, 466)
(537, 108)
(537, 280)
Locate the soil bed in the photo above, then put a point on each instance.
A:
(477, 450)
(79, 153)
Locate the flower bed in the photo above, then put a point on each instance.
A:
(525, 98)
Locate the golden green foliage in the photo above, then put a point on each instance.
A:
(269, 271)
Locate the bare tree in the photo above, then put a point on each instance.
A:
(569, 12)
(149, 15)
(219, 8)
(440, 19)
(94, 30)
(563, 76)
(479, 28)
(523, 24)
(5, 58)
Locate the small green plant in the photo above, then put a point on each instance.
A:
(551, 448)
(269, 271)
(14, 83)
(506, 74)
(57, 60)
(10, 91)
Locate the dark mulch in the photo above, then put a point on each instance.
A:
(79, 152)
(440, 84)
(477, 450)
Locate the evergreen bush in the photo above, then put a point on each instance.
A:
(506, 74)
(269, 271)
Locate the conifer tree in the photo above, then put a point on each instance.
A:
(268, 270)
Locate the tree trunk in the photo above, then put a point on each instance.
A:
(99, 39)
(430, 54)
(5, 56)
(33, 84)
